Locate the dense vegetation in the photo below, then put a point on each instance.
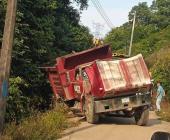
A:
(151, 38)
(42, 126)
(44, 30)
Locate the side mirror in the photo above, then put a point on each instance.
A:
(161, 136)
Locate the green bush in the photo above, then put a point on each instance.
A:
(43, 126)
(17, 103)
(161, 72)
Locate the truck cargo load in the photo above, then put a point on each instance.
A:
(123, 74)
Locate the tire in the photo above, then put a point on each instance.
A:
(128, 113)
(142, 116)
(70, 103)
(91, 117)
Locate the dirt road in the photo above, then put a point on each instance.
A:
(112, 128)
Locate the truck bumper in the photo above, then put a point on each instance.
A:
(122, 103)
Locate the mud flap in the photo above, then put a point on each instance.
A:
(142, 115)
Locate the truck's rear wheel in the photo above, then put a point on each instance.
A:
(70, 103)
(142, 116)
(91, 117)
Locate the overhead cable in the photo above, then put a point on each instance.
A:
(101, 11)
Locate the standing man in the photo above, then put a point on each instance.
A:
(160, 94)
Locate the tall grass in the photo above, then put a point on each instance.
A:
(164, 115)
(43, 126)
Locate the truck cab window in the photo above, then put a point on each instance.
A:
(77, 75)
(84, 75)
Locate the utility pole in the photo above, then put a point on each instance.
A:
(5, 56)
(131, 40)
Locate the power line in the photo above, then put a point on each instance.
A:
(104, 13)
(101, 11)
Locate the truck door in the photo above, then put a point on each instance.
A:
(78, 89)
(86, 82)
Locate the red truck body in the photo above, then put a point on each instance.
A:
(113, 83)
(62, 75)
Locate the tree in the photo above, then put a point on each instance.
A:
(44, 30)
(149, 20)
(119, 38)
(162, 13)
(143, 13)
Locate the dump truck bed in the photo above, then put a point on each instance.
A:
(123, 74)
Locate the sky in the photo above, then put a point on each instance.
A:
(116, 10)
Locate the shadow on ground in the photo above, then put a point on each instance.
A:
(153, 122)
(117, 121)
(110, 121)
(126, 121)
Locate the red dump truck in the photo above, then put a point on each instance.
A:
(103, 83)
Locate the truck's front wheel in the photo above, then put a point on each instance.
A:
(91, 117)
(142, 116)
